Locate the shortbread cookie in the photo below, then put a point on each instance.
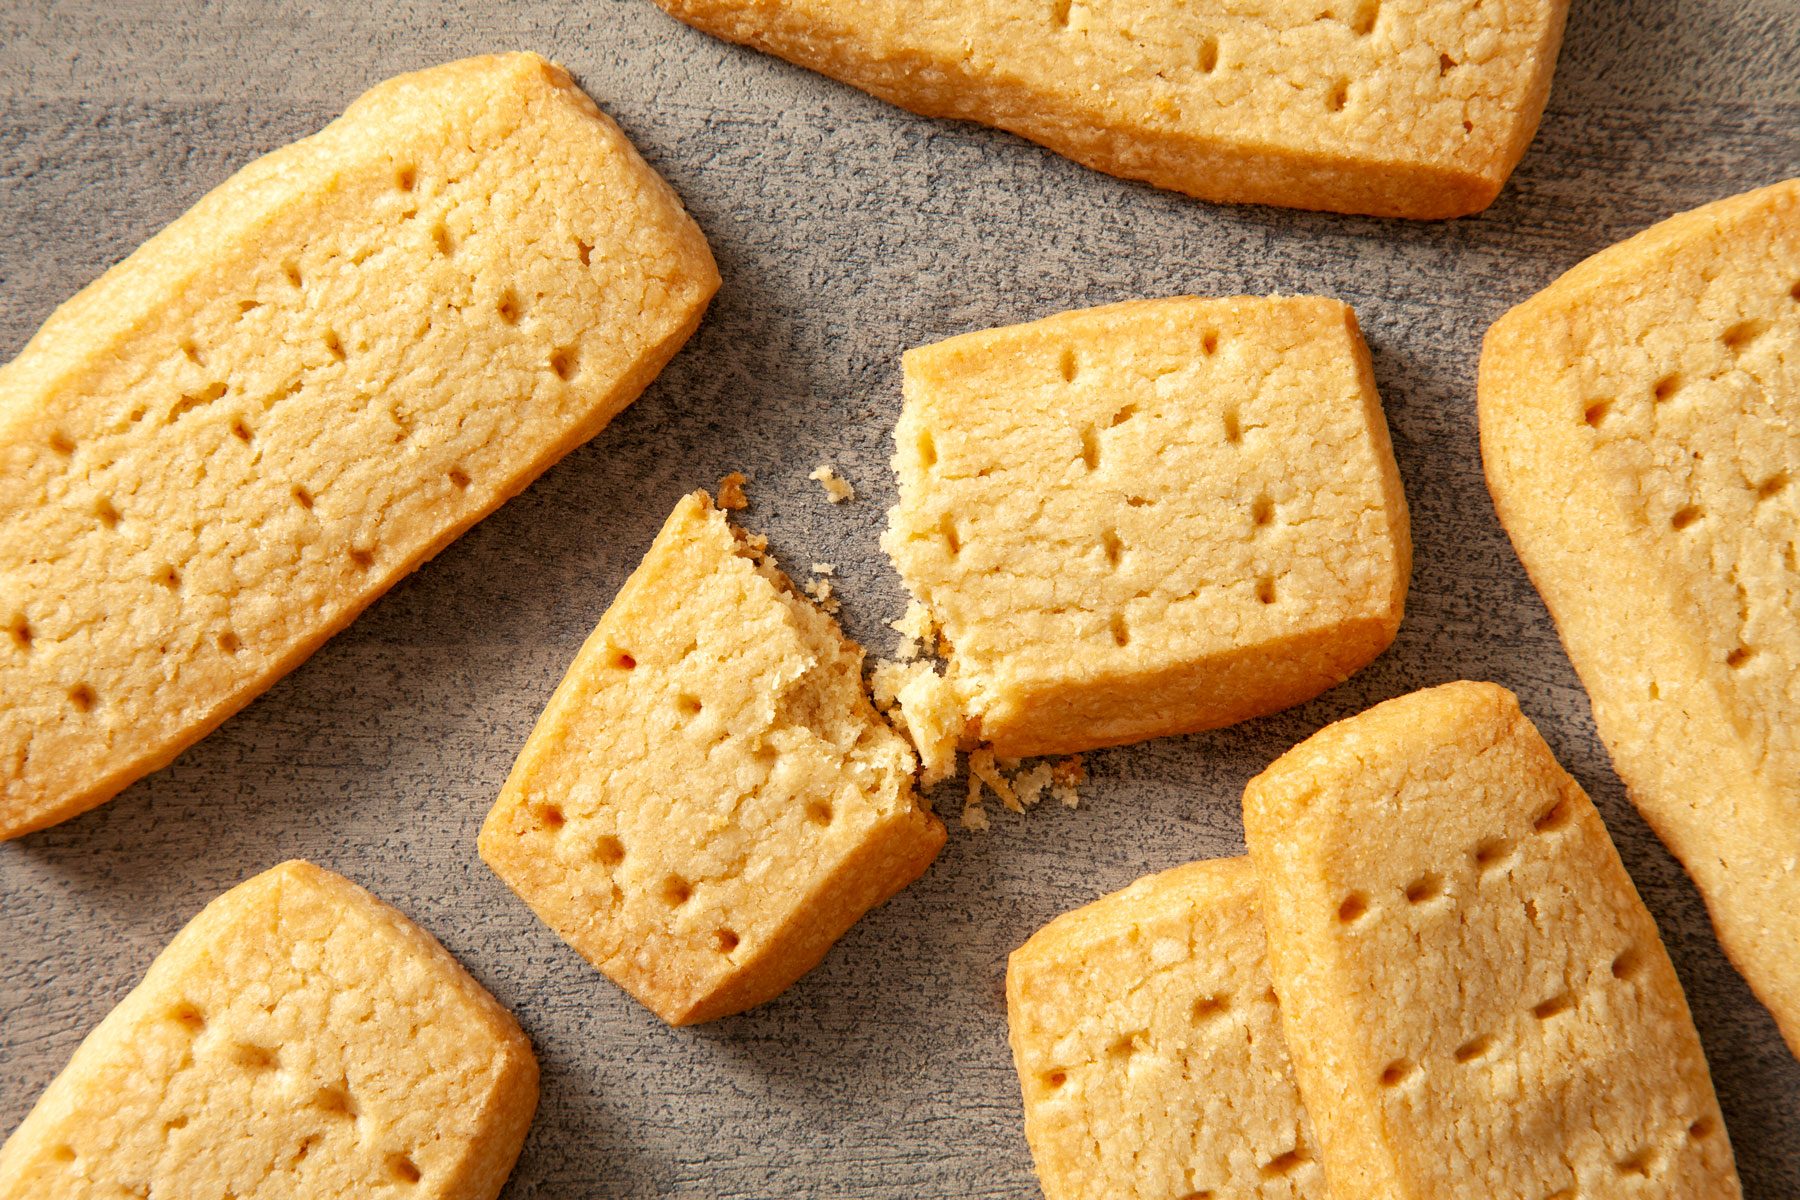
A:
(1149, 518)
(298, 1039)
(220, 452)
(709, 801)
(1150, 1051)
(1477, 1002)
(1400, 108)
(1638, 423)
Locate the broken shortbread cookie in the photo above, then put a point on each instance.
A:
(709, 801)
(1149, 518)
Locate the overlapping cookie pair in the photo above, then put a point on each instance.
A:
(1461, 992)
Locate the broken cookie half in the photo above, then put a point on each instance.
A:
(709, 800)
(1149, 518)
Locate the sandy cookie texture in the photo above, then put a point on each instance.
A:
(1150, 1051)
(221, 451)
(709, 800)
(298, 1039)
(1476, 1000)
(1637, 422)
(1405, 108)
(1149, 518)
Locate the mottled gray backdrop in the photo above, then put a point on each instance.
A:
(846, 230)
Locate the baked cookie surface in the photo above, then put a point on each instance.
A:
(1476, 1000)
(216, 455)
(709, 800)
(298, 1039)
(1407, 108)
(1149, 518)
(1638, 424)
(1150, 1051)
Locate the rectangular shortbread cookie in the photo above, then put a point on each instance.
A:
(298, 1039)
(709, 800)
(1149, 518)
(1402, 108)
(1150, 1051)
(221, 451)
(1637, 422)
(1477, 1002)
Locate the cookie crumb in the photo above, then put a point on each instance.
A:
(820, 591)
(1065, 778)
(916, 631)
(824, 568)
(731, 491)
(837, 488)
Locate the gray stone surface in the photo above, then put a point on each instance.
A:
(846, 231)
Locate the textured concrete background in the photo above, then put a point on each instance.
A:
(846, 231)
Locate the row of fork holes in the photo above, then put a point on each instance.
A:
(1736, 340)
(1489, 854)
(334, 1100)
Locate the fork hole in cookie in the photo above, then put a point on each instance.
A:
(1067, 365)
(1555, 1006)
(584, 251)
(1234, 430)
(230, 643)
(1665, 388)
(440, 237)
(364, 559)
(1121, 632)
(1596, 412)
(1059, 13)
(1113, 547)
(1446, 64)
(82, 698)
(927, 451)
(609, 851)
(187, 1014)
(19, 630)
(1739, 657)
(1474, 1048)
(819, 812)
(676, 891)
(302, 497)
(508, 307)
(1208, 59)
(1642, 1164)
(1338, 96)
(565, 362)
(1490, 853)
(1773, 486)
(1553, 818)
(1686, 516)
(1206, 1008)
(551, 817)
(1426, 887)
(403, 1169)
(1265, 590)
(1055, 1079)
(334, 1100)
(1702, 1129)
(1628, 963)
(1090, 448)
(727, 940)
(406, 178)
(1738, 338)
(252, 1057)
(168, 577)
(1353, 908)
(64, 1153)
(1285, 1164)
(688, 706)
(1362, 20)
(334, 345)
(1397, 1072)
(1262, 511)
(62, 443)
(459, 478)
(620, 660)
